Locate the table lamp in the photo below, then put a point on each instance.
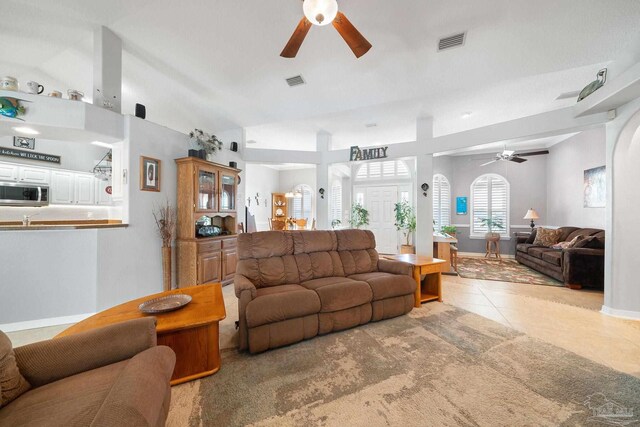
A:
(532, 214)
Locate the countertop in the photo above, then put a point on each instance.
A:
(65, 226)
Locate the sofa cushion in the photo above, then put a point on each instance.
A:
(354, 240)
(264, 245)
(565, 232)
(591, 242)
(537, 251)
(274, 271)
(523, 247)
(278, 303)
(72, 401)
(339, 293)
(386, 285)
(553, 257)
(359, 261)
(316, 265)
(582, 232)
(305, 242)
(547, 237)
(12, 383)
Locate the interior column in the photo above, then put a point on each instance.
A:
(107, 69)
(323, 146)
(424, 174)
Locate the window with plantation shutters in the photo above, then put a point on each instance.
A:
(441, 202)
(489, 199)
(336, 201)
(388, 169)
(301, 206)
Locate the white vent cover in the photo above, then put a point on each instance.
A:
(452, 41)
(295, 81)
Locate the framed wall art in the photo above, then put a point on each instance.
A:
(595, 188)
(150, 174)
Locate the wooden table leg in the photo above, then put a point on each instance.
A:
(417, 278)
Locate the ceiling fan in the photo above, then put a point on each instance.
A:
(512, 156)
(321, 13)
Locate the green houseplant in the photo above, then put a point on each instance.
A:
(491, 225)
(405, 222)
(359, 216)
(451, 230)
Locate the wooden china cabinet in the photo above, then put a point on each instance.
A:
(207, 242)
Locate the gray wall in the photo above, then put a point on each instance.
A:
(264, 181)
(528, 188)
(565, 172)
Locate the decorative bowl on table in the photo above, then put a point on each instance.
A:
(165, 304)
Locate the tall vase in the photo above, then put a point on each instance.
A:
(166, 268)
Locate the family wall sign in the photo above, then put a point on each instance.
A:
(358, 153)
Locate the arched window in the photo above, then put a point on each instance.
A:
(383, 170)
(336, 201)
(302, 205)
(489, 200)
(441, 201)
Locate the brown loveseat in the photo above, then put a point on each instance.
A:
(294, 285)
(576, 267)
(112, 376)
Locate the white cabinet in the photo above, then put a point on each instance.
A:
(8, 172)
(62, 188)
(34, 175)
(85, 189)
(71, 188)
(102, 197)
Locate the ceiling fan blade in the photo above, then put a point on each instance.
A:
(356, 41)
(517, 159)
(533, 153)
(488, 163)
(292, 47)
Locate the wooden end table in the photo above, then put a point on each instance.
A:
(428, 288)
(192, 331)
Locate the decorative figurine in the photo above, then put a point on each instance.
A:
(10, 107)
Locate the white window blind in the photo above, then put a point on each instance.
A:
(302, 205)
(336, 201)
(490, 199)
(441, 201)
(387, 169)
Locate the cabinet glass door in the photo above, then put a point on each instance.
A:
(206, 190)
(228, 194)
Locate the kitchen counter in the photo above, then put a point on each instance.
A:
(61, 225)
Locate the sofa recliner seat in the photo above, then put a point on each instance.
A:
(279, 271)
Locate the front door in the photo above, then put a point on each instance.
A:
(380, 202)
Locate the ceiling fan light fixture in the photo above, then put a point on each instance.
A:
(320, 12)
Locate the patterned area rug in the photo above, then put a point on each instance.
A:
(437, 366)
(505, 270)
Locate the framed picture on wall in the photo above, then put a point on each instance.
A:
(595, 188)
(461, 205)
(149, 174)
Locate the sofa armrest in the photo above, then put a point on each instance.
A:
(521, 239)
(395, 267)
(241, 284)
(140, 395)
(51, 360)
(583, 266)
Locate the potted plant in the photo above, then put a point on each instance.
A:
(336, 223)
(491, 225)
(405, 222)
(165, 217)
(451, 230)
(359, 216)
(210, 144)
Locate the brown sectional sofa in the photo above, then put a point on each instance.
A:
(111, 376)
(294, 285)
(575, 267)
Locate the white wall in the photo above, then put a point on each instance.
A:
(291, 178)
(47, 274)
(262, 180)
(566, 164)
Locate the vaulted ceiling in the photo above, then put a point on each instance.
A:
(215, 64)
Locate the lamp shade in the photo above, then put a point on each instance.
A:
(532, 214)
(320, 12)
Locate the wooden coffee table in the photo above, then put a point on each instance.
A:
(192, 331)
(428, 288)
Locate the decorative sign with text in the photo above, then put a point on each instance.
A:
(358, 154)
(24, 142)
(29, 155)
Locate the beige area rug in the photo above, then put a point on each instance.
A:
(440, 366)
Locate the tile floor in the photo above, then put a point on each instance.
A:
(539, 311)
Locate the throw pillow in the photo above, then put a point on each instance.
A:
(547, 237)
(568, 245)
(12, 383)
(591, 242)
(532, 236)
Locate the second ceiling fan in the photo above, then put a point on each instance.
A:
(321, 13)
(512, 156)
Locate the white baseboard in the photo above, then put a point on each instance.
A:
(623, 314)
(481, 255)
(43, 323)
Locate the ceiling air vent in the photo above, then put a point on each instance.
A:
(295, 81)
(452, 41)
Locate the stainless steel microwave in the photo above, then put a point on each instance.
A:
(21, 194)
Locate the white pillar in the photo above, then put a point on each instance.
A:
(323, 145)
(424, 174)
(107, 69)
